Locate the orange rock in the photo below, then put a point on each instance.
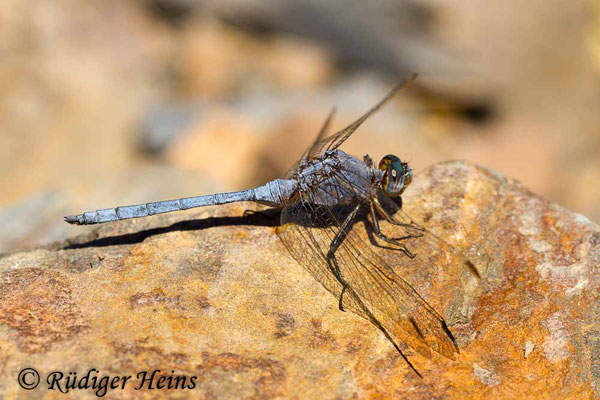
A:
(202, 146)
(196, 296)
(215, 60)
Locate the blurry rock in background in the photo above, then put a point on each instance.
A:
(230, 92)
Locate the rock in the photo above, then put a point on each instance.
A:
(162, 124)
(73, 94)
(216, 60)
(390, 35)
(213, 294)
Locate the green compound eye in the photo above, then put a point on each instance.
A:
(396, 175)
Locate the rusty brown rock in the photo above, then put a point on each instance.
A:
(213, 294)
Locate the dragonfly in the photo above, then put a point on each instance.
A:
(322, 199)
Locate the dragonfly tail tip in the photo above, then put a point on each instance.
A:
(72, 219)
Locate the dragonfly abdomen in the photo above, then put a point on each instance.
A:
(274, 193)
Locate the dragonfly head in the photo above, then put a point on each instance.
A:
(396, 175)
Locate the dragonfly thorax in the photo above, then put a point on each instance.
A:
(334, 178)
(313, 172)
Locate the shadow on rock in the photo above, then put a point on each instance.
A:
(267, 218)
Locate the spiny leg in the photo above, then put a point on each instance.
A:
(393, 221)
(395, 241)
(335, 244)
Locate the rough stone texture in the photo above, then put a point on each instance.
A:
(214, 294)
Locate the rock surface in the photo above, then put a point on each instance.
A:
(213, 294)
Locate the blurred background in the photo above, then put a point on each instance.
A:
(113, 103)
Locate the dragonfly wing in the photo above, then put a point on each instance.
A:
(292, 172)
(325, 128)
(375, 291)
(335, 140)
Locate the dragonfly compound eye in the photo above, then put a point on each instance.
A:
(396, 175)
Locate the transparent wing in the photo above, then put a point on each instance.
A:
(335, 140)
(293, 171)
(375, 291)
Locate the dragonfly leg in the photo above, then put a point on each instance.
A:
(395, 241)
(393, 221)
(335, 244)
